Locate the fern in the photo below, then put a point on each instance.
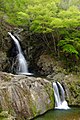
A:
(70, 49)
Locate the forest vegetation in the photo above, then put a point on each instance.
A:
(59, 19)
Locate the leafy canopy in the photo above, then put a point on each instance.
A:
(47, 16)
(42, 15)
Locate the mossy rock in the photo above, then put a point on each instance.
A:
(5, 77)
(25, 97)
(5, 116)
(72, 88)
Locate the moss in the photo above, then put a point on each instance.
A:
(34, 110)
(52, 98)
(6, 77)
(51, 95)
(74, 90)
(5, 116)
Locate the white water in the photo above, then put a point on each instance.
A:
(22, 63)
(59, 94)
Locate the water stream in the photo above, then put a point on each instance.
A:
(59, 94)
(62, 111)
(22, 66)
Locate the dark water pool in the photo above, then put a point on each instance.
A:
(71, 114)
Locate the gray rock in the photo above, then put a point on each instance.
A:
(56, 77)
(25, 97)
(72, 87)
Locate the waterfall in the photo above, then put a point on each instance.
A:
(59, 94)
(22, 67)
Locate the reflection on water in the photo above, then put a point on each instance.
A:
(71, 114)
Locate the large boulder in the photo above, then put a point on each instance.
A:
(25, 97)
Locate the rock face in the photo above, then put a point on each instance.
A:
(3, 59)
(72, 87)
(25, 97)
(48, 65)
(55, 72)
(5, 45)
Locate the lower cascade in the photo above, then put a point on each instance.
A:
(59, 94)
(22, 67)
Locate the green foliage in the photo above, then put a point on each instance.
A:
(41, 15)
(71, 42)
(69, 49)
(58, 17)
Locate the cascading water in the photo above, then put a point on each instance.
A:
(22, 63)
(59, 94)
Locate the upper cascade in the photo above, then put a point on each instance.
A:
(16, 42)
(59, 94)
(22, 67)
